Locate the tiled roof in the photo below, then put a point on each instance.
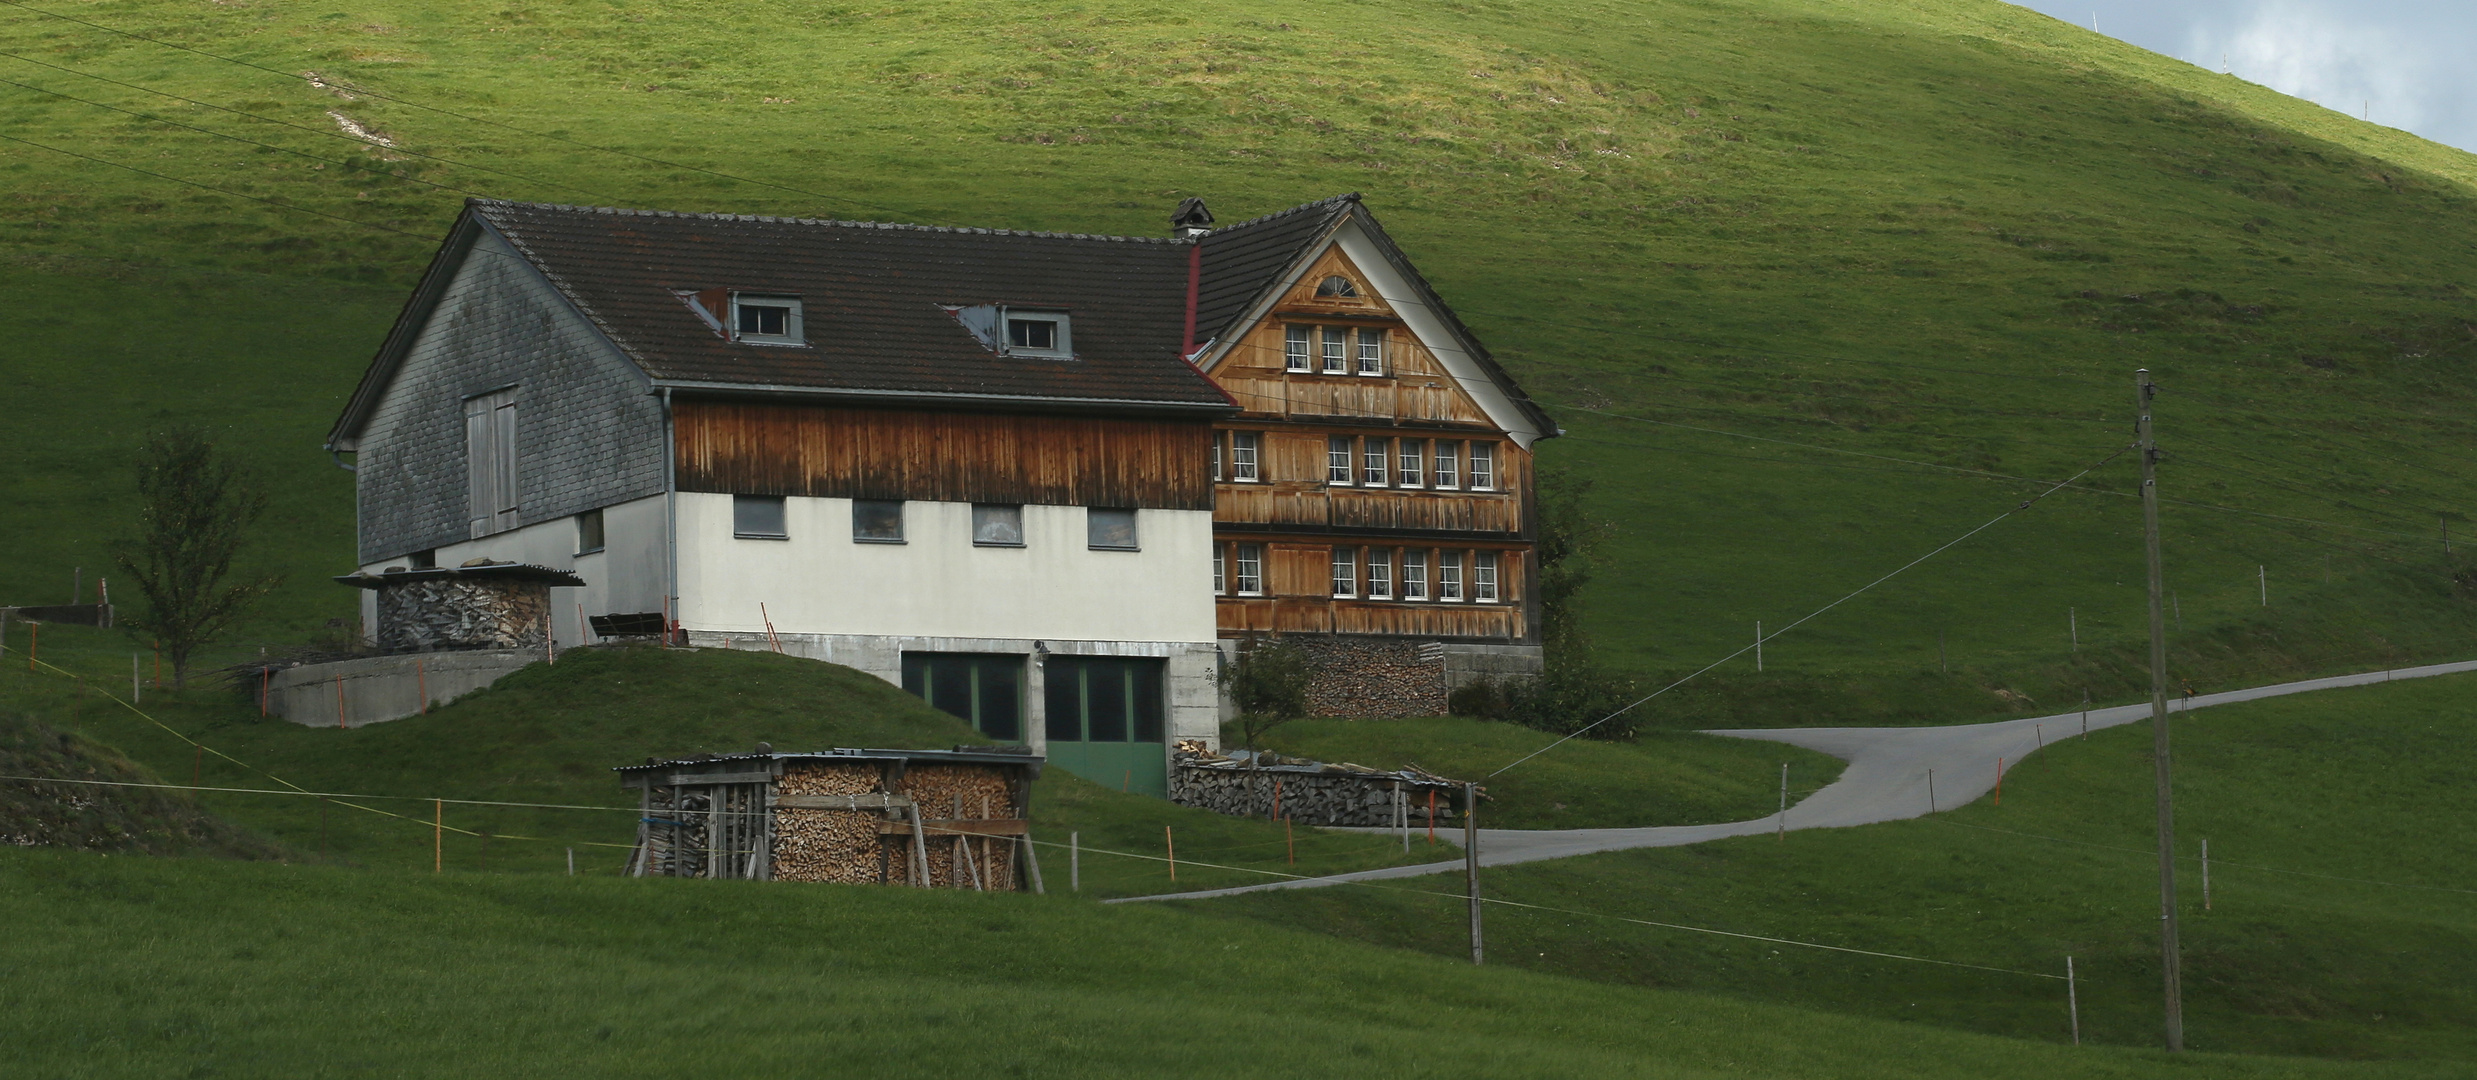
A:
(871, 297)
(1243, 260)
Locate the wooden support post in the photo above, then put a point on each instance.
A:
(2206, 873)
(134, 699)
(1431, 817)
(339, 700)
(1782, 832)
(1170, 843)
(1075, 862)
(1999, 781)
(571, 862)
(1031, 864)
(438, 836)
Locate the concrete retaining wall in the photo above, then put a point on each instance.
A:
(370, 690)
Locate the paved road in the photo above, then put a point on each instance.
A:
(1887, 780)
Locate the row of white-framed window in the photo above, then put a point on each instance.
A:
(1371, 461)
(1333, 350)
(1376, 573)
(880, 521)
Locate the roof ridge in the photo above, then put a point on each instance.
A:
(834, 222)
(1347, 196)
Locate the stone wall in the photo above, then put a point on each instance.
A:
(1373, 677)
(1311, 794)
(431, 614)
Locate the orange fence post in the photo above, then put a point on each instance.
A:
(438, 836)
(1171, 842)
(1431, 816)
(339, 700)
(1999, 781)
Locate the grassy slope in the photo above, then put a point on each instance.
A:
(1904, 229)
(480, 975)
(94, 817)
(2360, 784)
(1661, 778)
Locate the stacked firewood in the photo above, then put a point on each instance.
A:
(873, 845)
(1308, 792)
(827, 845)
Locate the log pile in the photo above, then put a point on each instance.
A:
(857, 846)
(829, 845)
(1308, 792)
(432, 613)
(1379, 678)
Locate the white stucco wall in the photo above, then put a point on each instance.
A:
(625, 577)
(937, 584)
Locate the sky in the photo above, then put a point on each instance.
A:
(2409, 64)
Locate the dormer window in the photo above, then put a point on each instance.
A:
(1337, 287)
(766, 320)
(1038, 333)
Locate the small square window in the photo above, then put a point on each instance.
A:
(1109, 530)
(996, 525)
(877, 521)
(589, 532)
(758, 517)
(1039, 333)
(766, 320)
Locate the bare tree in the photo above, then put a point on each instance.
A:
(196, 513)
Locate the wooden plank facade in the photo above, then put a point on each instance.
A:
(1023, 458)
(1362, 490)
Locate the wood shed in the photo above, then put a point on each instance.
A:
(951, 819)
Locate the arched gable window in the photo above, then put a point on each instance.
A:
(1337, 286)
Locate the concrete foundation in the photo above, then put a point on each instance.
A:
(352, 693)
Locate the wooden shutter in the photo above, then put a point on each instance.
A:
(490, 462)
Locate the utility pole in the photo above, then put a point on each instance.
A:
(2171, 965)
(1470, 860)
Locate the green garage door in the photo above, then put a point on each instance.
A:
(1105, 721)
(981, 689)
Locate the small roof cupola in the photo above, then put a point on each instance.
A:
(1191, 220)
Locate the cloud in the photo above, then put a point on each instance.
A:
(2346, 58)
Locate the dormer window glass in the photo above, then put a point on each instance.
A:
(766, 320)
(1337, 286)
(1039, 333)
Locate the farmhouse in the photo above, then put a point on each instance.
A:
(1045, 481)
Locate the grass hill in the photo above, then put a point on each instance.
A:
(2339, 922)
(304, 970)
(1937, 231)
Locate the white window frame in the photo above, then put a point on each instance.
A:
(492, 497)
(1217, 440)
(1298, 348)
(1249, 578)
(1336, 349)
(1414, 574)
(1246, 457)
(1484, 577)
(1483, 470)
(1375, 462)
(795, 330)
(1449, 577)
(1220, 557)
(1380, 574)
(1442, 466)
(1062, 347)
(1406, 464)
(1340, 467)
(1371, 352)
(1345, 573)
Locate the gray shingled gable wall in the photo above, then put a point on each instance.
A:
(588, 432)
